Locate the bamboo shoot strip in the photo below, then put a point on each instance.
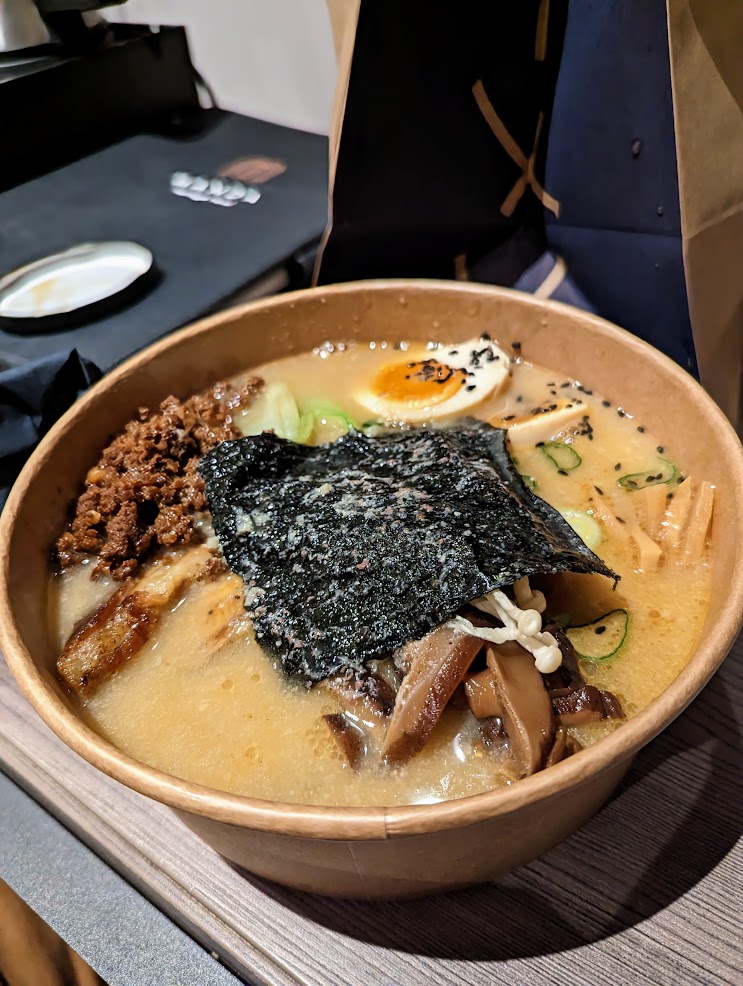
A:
(698, 524)
(677, 514)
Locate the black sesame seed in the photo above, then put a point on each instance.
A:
(485, 336)
(550, 383)
(562, 472)
(599, 490)
(568, 406)
(554, 393)
(618, 466)
(589, 392)
(471, 387)
(539, 445)
(606, 403)
(566, 384)
(670, 496)
(620, 412)
(600, 630)
(631, 482)
(640, 429)
(509, 417)
(660, 450)
(650, 479)
(620, 520)
(682, 479)
(516, 345)
(454, 352)
(519, 399)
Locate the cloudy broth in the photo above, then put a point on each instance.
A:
(226, 717)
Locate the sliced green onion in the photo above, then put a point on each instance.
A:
(649, 477)
(561, 456)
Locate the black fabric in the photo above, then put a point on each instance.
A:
(32, 397)
(352, 549)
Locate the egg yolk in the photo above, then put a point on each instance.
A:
(421, 383)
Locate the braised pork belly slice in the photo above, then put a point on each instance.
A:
(120, 627)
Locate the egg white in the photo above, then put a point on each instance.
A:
(489, 369)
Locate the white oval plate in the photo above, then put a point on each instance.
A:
(73, 279)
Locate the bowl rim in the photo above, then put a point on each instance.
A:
(344, 823)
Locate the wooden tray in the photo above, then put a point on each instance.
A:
(645, 893)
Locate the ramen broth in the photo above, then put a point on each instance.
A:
(228, 718)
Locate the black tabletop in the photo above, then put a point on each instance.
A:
(205, 251)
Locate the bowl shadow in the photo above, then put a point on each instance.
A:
(675, 817)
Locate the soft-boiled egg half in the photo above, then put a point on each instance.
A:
(425, 383)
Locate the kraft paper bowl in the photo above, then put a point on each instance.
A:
(375, 852)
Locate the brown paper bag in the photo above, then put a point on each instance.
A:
(706, 48)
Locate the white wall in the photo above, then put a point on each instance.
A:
(272, 59)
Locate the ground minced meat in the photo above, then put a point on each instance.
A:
(145, 491)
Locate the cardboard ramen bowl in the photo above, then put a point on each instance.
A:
(375, 852)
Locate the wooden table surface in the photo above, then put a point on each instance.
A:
(649, 891)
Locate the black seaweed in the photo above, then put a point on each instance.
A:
(352, 549)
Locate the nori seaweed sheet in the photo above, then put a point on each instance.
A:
(350, 550)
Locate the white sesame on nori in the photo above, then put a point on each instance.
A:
(352, 549)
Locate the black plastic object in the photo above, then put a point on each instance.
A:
(57, 109)
(59, 6)
(352, 549)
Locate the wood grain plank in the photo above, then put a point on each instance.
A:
(649, 891)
